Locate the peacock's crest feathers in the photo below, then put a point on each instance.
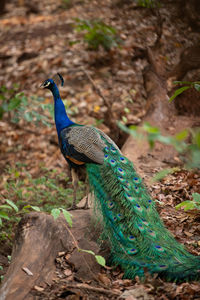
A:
(58, 79)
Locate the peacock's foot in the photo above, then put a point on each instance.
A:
(73, 207)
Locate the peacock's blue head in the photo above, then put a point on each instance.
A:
(47, 84)
(50, 83)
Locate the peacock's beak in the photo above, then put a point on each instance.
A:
(42, 86)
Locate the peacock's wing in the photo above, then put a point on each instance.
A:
(84, 143)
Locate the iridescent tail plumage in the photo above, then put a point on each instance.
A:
(138, 238)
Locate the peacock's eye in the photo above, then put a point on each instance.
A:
(47, 83)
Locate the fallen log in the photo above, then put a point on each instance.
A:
(38, 240)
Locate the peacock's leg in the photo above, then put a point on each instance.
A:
(87, 190)
(75, 185)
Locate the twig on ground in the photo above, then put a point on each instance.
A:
(96, 88)
(93, 288)
(78, 248)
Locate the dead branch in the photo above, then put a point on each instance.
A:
(96, 88)
(93, 288)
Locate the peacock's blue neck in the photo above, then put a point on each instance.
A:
(61, 118)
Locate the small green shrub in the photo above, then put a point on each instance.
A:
(16, 106)
(55, 212)
(190, 204)
(189, 151)
(97, 33)
(9, 99)
(187, 85)
(23, 193)
(100, 259)
(4, 208)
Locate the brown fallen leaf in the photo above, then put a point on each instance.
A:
(137, 293)
(188, 233)
(67, 272)
(104, 279)
(38, 288)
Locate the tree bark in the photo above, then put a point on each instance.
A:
(38, 240)
(159, 113)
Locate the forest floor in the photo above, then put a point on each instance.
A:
(37, 41)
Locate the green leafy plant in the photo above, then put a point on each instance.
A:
(4, 208)
(16, 106)
(1, 276)
(9, 215)
(187, 85)
(55, 212)
(9, 99)
(47, 191)
(148, 3)
(190, 204)
(23, 193)
(97, 33)
(189, 151)
(100, 259)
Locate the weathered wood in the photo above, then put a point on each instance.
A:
(159, 113)
(189, 60)
(38, 240)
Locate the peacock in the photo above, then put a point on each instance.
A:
(138, 238)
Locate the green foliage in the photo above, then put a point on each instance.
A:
(68, 216)
(187, 85)
(97, 33)
(100, 259)
(163, 173)
(9, 99)
(17, 106)
(4, 208)
(47, 192)
(1, 276)
(55, 212)
(193, 204)
(11, 212)
(23, 193)
(148, 3)
(66, 3)
(189, 151)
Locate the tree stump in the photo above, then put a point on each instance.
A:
(38, 240)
